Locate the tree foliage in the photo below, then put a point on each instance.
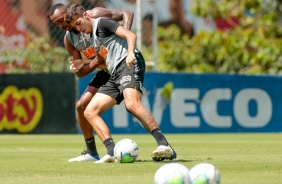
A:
(39, 56)
(252, 47)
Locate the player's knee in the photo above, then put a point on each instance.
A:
(132, 106)
(87, 114)
(81, 105)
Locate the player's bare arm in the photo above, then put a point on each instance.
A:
(97, 62)
(101, 62)
(77, 64)
(125, 16)
(131, 42)
(74, 55)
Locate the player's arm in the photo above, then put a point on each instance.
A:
(126, 16)
(96, 62)
(131, 42)
(111, 26)
(75, 55)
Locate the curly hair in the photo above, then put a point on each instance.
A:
(74, 9)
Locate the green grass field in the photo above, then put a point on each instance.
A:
(240, 158)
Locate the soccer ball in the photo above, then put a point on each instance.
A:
(204, 173)
(172, 173)
(126, 151)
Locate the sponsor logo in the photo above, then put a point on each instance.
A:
(125, 79)
(20, 109)
(103, 51)
(89, 52)
(82, 38)
(89, 141)
(86, 36)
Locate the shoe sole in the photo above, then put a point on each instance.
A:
(104, 162)
(161, 155)
(108, 161)
(85, 160)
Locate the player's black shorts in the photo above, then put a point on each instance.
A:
(100, 79)
(125, 77)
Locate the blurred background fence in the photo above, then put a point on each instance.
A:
(175, 35)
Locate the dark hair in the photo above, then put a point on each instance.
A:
(55, 7)
(74, 9)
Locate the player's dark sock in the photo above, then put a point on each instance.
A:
(159, 136)
(110, 145)
(91, 145)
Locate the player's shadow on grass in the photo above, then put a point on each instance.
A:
(166, 161)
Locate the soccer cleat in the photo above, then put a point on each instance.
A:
(106, 159)
(85, 156)
(162, 153)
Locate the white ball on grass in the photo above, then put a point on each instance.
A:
(204, 173)
(172, 173)
(126, 151)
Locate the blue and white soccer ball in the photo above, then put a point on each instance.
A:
(172, 173)
(126, 151)
(204, 173)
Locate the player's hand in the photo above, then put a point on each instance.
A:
(130, 59)
(76, 64)
(73, 68)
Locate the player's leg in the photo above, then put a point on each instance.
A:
(132, 100)
(100, 103)
(132, 93)
(91, 152)
(81, 104)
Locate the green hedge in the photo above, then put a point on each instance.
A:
(252, 47)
